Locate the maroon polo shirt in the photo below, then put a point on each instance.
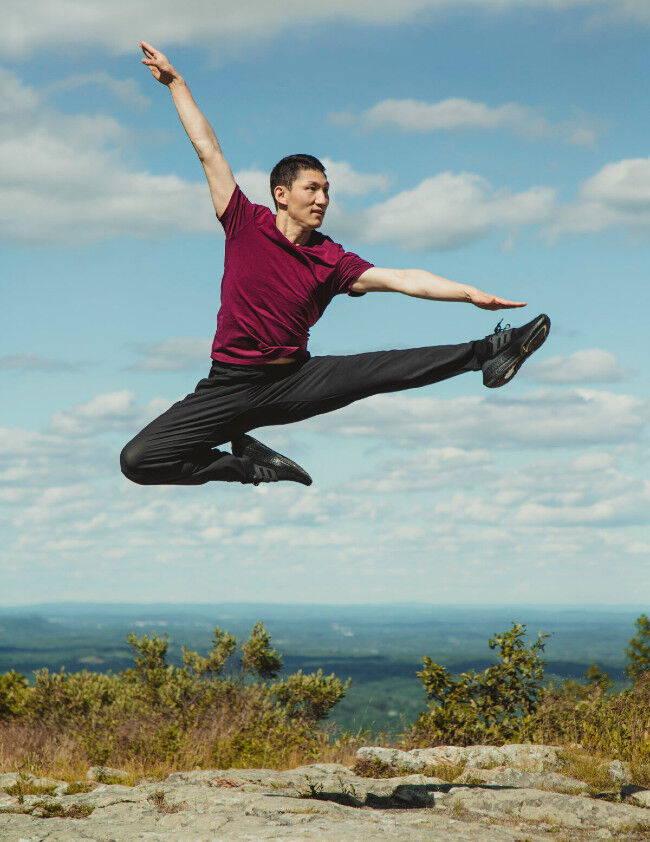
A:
(273, 290)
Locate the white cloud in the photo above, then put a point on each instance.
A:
(17, 99)
(34, 362)
(589, 365)
(63, 180)
(225, 28)
(117, 411)
(587, 491)
(68, 508)
(345, 181)
(30, 462)
(544, 418)
(126, 91)
(453, 114)
(445, 212)
(174, 354)
(617, 11)
(441, 467)
(617, 196)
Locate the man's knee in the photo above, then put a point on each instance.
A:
(132, 462)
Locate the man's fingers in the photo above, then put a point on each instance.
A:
(495, 303)
(498, 303)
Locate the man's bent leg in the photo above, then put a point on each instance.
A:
(139, 465)
(177, 447)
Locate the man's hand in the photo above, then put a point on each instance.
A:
(158, 64)
(492, 302)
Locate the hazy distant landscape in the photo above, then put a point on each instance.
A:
(379, 647)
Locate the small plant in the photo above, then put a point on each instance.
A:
(373, 767)
(79, 786)
(347, 788)
(157, 798)
(472, 780)
(598, 679)
(22, 788)
(52, 810)
(458, 810)
(314, 790)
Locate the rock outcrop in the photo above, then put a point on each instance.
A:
(523, 799)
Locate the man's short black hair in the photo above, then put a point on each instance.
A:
(286, 171)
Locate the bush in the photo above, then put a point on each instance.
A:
(638, 652)
(615, 725)
(13, 693)
(156, 714)
(482, 707)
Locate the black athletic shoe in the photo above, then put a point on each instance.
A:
(268, 466)
(507, 348)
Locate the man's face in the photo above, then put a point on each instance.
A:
(308, 198)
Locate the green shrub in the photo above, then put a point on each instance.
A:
(13, 693)
(156, 714)
(482, 707)
(638, 652)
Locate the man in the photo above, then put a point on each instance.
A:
(279, 275)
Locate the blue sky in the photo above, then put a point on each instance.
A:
(503, 144)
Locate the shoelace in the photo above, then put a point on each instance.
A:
(499, 329)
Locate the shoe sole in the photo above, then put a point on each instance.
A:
(534, 341)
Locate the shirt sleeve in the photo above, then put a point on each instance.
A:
(348, 269)
(240, 212)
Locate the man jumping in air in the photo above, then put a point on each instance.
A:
(280, 274)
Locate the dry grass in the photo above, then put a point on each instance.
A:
(586, 767)
(446, 771)
(37, 751)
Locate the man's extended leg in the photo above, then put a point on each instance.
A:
(323, 384)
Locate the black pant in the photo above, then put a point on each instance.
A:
(177, 447)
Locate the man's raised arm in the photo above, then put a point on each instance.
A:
(422, 284)
(217, 170)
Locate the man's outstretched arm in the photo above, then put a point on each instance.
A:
(217, 170)
(422, 284)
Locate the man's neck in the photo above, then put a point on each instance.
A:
(292, 230)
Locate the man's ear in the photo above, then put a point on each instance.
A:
(280, 194)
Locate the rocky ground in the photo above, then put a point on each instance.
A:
(484, 794)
